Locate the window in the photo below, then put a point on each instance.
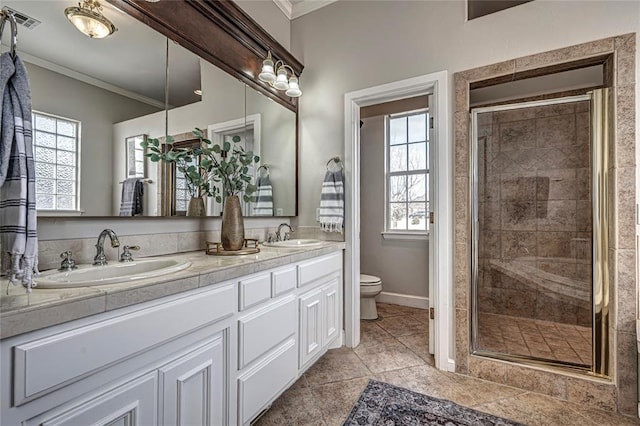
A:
(182, 193)
(407, 172)
(56, 143)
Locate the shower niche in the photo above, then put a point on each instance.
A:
(537, 185)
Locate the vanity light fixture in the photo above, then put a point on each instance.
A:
(284, 78)
(89, 20)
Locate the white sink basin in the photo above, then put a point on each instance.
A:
(294, 243)
(117, 272)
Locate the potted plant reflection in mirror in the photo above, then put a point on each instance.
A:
(210, 169)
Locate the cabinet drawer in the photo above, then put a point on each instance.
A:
(254, 290)
(284, 281)
(311, 270)
(265, 329)
(258, 386)
(45, 364)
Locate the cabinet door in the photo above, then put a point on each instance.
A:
(310, 325)
(133, 403)
(192, 388)
(331, 311)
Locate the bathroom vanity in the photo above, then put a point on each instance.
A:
(233, 335)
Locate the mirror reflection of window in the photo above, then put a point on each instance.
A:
(180, 192)
(182, 195)
(135, 156)
(56, 143)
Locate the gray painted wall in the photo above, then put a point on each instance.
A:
(270, 17)
(97, 109)
(402, 265)
(352, 45)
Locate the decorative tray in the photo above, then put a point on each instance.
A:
(215, 248)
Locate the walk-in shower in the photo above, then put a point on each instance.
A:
(539, 256)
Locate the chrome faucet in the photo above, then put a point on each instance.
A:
(286, 235)
(100, 258)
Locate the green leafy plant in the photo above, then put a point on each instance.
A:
(210, 169)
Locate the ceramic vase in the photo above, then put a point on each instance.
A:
(232, 234)
(196, 207)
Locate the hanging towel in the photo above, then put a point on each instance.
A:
(132, 194)
(263, 200)
(332, 202)
(18, 217)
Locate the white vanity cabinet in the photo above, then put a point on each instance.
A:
(192, 388)
(130, 403)
(320, 282)
(159, 363)
(217, 355)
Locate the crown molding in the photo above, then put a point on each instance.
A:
(285, 6)
(293, 11)
(90, 80)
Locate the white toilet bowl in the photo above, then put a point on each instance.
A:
(370, 287)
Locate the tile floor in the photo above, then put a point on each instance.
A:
(394, 350)
(530, 337)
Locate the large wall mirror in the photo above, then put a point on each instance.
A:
(95, 100)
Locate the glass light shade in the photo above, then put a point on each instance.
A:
(282, 83)
(294, 89)
(267, 75)
(90, 23)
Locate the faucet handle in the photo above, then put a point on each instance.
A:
(271, 238)
(287, 235)
(126, 253)
(68, 263)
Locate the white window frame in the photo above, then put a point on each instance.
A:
(404, 234)
(56, 212)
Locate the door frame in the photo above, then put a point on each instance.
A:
(441, 245)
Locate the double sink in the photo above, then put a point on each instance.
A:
(121, 272)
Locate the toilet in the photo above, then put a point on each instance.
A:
(370, 287)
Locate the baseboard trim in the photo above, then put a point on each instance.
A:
(404, 300)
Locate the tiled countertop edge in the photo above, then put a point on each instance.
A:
(89, 301)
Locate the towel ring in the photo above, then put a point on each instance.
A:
(334, 161)
(6, 15)
(266, 168)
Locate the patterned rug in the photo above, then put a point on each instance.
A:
(384, 404)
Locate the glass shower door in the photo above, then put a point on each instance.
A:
(532, 231)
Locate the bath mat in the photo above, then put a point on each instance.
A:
(384, 404)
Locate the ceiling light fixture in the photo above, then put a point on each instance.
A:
(86, 17)
(280, 76)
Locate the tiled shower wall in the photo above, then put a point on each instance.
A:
(534, 211)
(620, 391)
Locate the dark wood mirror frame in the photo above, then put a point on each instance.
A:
(223, 34)
(219, 32)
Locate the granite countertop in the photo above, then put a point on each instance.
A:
(22, 312)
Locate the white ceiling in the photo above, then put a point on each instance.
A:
(130, 62)
(296, 8)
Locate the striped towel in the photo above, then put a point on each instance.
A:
(132, 193)
(18, 216)
(263, 200)
(332, 202)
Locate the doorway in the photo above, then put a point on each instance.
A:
(440, 262)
